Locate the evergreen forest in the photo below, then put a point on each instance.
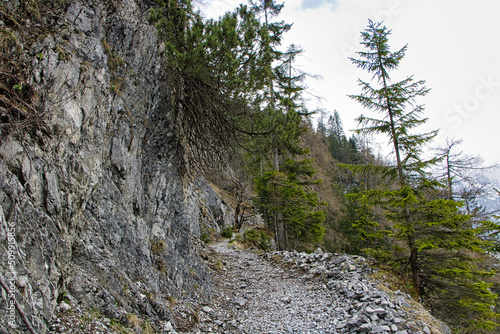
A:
(240, 112)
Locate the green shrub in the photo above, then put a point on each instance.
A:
(264, 241)
(227, 232)
(204, 237)
(253, 238)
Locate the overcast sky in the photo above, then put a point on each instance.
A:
(453, 45)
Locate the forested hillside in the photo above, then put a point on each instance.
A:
(240, 107)
(135, 132)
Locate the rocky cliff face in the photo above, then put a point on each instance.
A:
(99, 209)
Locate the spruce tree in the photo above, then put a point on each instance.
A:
(391, 100)
(336, 136)
(288, 193)
(396, 102)
(409, 224)
(281, 100)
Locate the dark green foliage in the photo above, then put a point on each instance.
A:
(350, 208)
(227, 232)
(288, 82)
(282, 104)
(271, 34)
(282, 94)
(259, 239)
(342, 149)
(251, 236)
(406, 222)
(286, 192)
(204, 237)
(286, 131)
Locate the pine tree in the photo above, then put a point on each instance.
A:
(215, 73)
(342, 149)
(336, 136)
(391, 100)
(289, 82)
(335, 127)
(281, 99)
(394, 101)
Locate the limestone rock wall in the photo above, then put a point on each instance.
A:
(99, 209)
(206, 210)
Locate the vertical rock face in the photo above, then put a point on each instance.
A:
(98, 209)
(206, 210)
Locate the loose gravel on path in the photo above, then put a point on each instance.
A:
(305, 293)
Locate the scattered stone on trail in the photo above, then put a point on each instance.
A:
(291, 292)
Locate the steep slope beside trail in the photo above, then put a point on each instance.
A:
(97, 207)
(285, 292)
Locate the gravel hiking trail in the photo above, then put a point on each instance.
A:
(259, 297)
(290, 292)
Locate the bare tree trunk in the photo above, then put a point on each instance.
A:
(238, 216)
(279, 220)
(415, 267)
(280, 232)
(237, 221)
(448, 176)
(276, 160)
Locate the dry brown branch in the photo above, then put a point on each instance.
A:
(21, 110)
(18, 307)
(203, 119)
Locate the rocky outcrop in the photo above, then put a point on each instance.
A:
(206, 209)
(98, 210)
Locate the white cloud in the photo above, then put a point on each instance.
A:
(314, 4)
(453, 45)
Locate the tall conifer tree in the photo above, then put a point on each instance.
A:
(392, 100)
(412, 226)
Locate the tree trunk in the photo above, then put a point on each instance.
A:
(280, 232)
(395, 138)
(415, 267)
(448, 176)
(279, 222)
(237, 221)
(276, 160)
